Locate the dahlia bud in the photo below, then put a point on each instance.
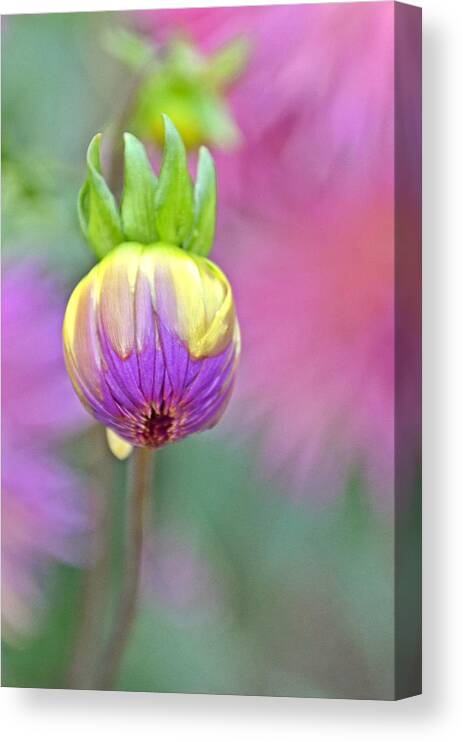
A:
(151, 339)
(184, 83)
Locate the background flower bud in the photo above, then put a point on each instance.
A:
(151, 343)
(178, 80)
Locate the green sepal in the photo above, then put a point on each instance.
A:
(205, 201)
(229, 62)
(174, 194)
(219, 126)
(138, 198)
(98, 213)
(129, 48)
(83, 207)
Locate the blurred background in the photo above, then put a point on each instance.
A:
(269, 563)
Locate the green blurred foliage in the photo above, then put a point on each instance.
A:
(57, 91)
(305, 604)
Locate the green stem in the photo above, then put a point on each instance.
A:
(87, 640)
(125, 613)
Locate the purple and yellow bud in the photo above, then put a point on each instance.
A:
(151, 343)
(151, 339)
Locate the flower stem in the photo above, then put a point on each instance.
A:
(95, 588)
(125, 614)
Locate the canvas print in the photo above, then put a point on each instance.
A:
(211, 350)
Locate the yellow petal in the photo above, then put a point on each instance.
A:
(193, 297)
(117, 445)
(117, 282)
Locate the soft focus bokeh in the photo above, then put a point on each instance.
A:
(269, 563)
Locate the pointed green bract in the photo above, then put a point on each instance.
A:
(222, 131)
(128, 47)
(205, 198)
(98, 213)
(174, 195)
(165, 210)
(138, 199)
(229, 62)
(83, 207)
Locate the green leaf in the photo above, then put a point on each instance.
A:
(205, 199)
(98, 213)
(138, 199)
(174, 194)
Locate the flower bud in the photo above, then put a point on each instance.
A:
(182, 82)
(151, 343)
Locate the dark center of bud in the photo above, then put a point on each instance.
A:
(157, 428)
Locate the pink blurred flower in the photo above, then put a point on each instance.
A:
(42, 506)
(317, 312)
(316, 102)
(307, 235)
